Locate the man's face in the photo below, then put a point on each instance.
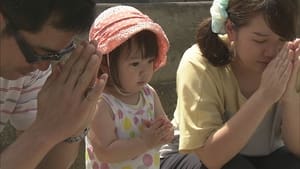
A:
(47, 41)
(33, 57)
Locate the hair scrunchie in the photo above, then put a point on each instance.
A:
(219, 15)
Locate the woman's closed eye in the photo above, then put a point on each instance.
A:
(259, 41)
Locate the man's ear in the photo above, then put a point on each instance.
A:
(2, 22)
(231, 31)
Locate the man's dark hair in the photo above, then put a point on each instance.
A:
(31, 15)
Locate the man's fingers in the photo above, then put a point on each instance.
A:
(86, 78)
(67, 67)
(93, 94)
(80, 66)
(53, 76)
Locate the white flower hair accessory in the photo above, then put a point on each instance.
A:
(218, 16)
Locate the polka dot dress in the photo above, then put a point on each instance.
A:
(128, 122)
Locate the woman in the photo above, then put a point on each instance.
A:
(238, 90)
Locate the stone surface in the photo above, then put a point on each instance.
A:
(179, 20)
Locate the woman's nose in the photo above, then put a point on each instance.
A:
(272, 51)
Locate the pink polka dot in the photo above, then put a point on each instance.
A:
(96, 165)
(139, 112)
(90, 153)
(120, 114)
(104, 166)
(147, 91)
(136, 120)
(148, 160)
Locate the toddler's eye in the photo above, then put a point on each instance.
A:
(135, 64)
(151, 60)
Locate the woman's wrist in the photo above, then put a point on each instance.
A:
(261, 95)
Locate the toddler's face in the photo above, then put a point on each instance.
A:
(134, 70)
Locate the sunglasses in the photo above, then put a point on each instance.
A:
(31, 56)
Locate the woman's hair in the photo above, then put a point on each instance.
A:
(280, 16)
(31, 15)
(146, 42)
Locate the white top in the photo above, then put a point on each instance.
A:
(18, 99)
(128, 123)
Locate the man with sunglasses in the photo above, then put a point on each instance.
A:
(50, 106)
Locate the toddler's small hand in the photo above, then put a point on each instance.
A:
(157, 132)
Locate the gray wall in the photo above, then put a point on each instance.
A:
(179, 20)
(143, 1)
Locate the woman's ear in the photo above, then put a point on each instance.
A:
(230, 29)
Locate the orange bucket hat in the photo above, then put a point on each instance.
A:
(117, 24)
